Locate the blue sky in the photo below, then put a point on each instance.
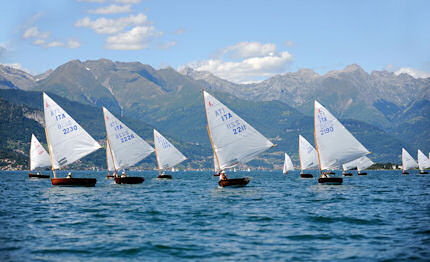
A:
(242, 41)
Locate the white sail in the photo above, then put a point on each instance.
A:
(360, 163)
(127, 147)
(408, 161)
(335, 144)
(234, 140)
(423, 161)
(68, 141)
(307, 154)
(288, 164)
(38, 155)
(111, 164)
(167, 154)
(216, 168)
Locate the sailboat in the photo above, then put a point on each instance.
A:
(346, 167)
(360, 163)
(38, 158)
(110, 162)
(167, 154)
(67, 142)
(126, 147)
(335, 145)
(233, 140)
(408, 162)
(423, 162)
(308, 157)
(288, 164)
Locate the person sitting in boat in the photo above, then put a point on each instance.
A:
(38, 173)
(115, 174)
(123, 174)
(324, 174)
(222, 176)
(69, 175)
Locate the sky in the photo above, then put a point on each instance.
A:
(241, 41)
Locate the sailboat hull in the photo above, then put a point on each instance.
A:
(405, 173)
(347, 174)
(109, 176)
(236, 182)
(362, 174)
(330, 180)
(30, 175)
(89, 182)
(164, 177)
(306, 175)
(423, 172)
(216, 174)
(129, 180)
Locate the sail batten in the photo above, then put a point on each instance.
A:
(335, 144)
(126, 146)
(68, 141)
(167, 154)
(38, 155)
(234, 140)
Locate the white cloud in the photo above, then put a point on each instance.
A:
(33, 32)
(248, 49)
(39, 42)
(289, 43)
(73, 43)
(112, 26)
(135, 39)
(54, 44)
(167, 45)
(252, 62)
(111, 9)
(412, 72)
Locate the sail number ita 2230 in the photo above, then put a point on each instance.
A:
(70, 129)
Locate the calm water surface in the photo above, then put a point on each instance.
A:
(384, 216)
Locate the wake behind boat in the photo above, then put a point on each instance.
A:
(125, 146)
(233, 140)
(67, 142)
(335, 145)
(38, 158)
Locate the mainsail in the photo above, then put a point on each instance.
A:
(111, 164)
(423, 161)
(288, 164)
(38, 155)
(234, 140)
(335, 144)
(408, 161)
(167, 154)
(360, 163)
(126, 146)
(67, 140)
(307, 154)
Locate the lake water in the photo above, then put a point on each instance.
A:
(384, 216)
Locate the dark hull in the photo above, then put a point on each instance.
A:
(362, 174)
(423, 172)
(216, 174)
(330, 180)
(306, 175)
(237, 182)
(73, 182)
(347, 174)
(37, 176)
(331, 173)
(109, 176)
(129, 180)
(405, 173)
(165, 177)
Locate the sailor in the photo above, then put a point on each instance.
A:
(123, 174)
(69, 175)
(222, 176)
(115, 174)
(38, 173)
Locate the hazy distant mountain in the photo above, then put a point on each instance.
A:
(14, 78)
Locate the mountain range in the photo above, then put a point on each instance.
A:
(383, 110)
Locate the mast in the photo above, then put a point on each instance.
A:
(50, 153)
(209, 131)
(316, 143)
(110, 148)
(107, 160)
